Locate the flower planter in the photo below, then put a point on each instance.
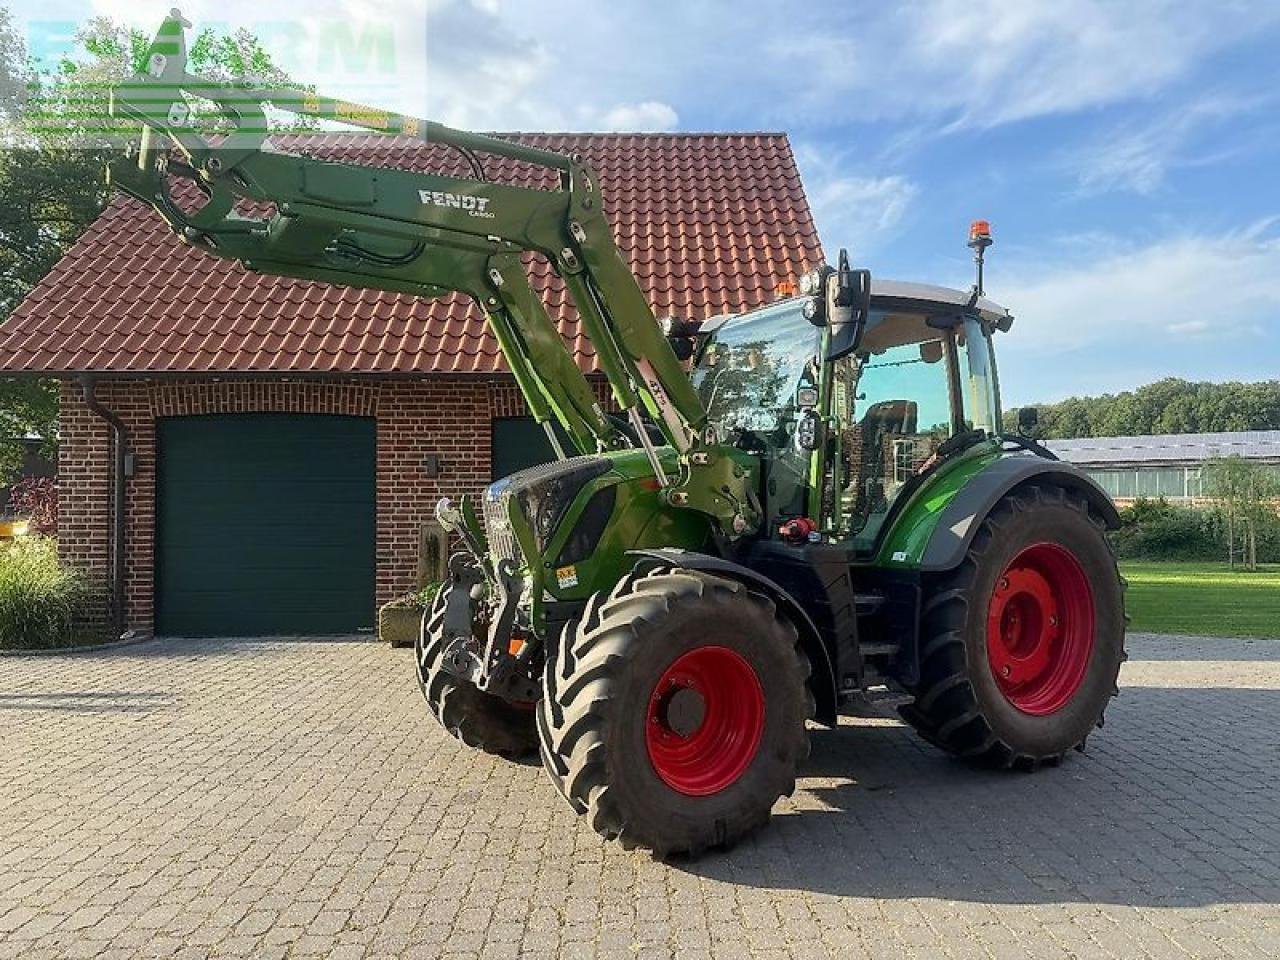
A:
(398, 625)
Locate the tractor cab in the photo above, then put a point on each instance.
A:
(840, 440)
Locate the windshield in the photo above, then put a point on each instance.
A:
(748, 376)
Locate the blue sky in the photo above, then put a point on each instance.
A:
(1127, 153)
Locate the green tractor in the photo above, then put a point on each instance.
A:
(782, 512)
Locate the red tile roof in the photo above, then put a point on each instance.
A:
(709, 223)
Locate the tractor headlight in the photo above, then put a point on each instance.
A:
(811, 282)
(590, 525)
(807, 431)
(814, 311)
(546, 492)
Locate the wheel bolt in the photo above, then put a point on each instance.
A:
(1004, 583)
(1053, 621)
(1005, 671)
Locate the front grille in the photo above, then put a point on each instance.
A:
(497, 527)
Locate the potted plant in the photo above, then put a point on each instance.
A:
(400, 620)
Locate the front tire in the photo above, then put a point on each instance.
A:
(1021, 645)
(478, 719)
(673, 715)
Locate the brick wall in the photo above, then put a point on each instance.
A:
(449, 418)
(84, 489)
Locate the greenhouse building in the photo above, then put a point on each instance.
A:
(1167, 465)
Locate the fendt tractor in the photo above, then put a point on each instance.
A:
(779, 513)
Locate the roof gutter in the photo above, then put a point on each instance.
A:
(357, 377)
(119, 460)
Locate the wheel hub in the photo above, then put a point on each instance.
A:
(1027, 624)
(684, 710)
(705, 721)
(1040, 627)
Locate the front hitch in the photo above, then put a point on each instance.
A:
(503, 667)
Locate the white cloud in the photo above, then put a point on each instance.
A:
(1138, 159)
(474, 64)
(571, 63)
(860, 212)
(1224, 287)
(852, 210)
(648, 115)
(981, 63)
(1199, 307)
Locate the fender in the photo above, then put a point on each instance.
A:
(823, 677)
(959, 521)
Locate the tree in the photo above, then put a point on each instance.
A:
(54, 123)
(1166, 406)
(14, 74)
(28, 408)
(1244, 490)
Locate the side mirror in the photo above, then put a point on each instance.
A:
(848, 307)
(682, 347)
(1028, 420)
(679, 334)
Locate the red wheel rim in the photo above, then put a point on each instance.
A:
(1040, 628)
(705, 720)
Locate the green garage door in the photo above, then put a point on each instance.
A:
(519, 442)
(265, 524)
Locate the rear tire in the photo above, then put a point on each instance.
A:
(478, 719)
(1021, 646)
(673, 714)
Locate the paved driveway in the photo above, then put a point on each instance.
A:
(264, 798)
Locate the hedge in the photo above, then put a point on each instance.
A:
(1157, 530)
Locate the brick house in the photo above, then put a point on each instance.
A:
(286, 441)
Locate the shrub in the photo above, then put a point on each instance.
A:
(418, 599)
(428, 594)
(36, 498)
(1268, 543)
(39, 598)
(1143, 511)
(1157, 530)
(1164, 532)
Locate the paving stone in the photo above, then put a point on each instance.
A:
(272, 798)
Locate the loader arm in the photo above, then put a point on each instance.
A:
(428, 234)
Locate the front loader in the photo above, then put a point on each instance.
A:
(778, 514)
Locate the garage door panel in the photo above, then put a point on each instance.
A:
(279, 620)
(265, 524)
(213, 536)
(205, 511)
(324, 569)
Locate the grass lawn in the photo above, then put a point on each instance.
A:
(1203, 598)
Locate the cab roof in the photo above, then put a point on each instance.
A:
(907, 296)
(902, 296)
